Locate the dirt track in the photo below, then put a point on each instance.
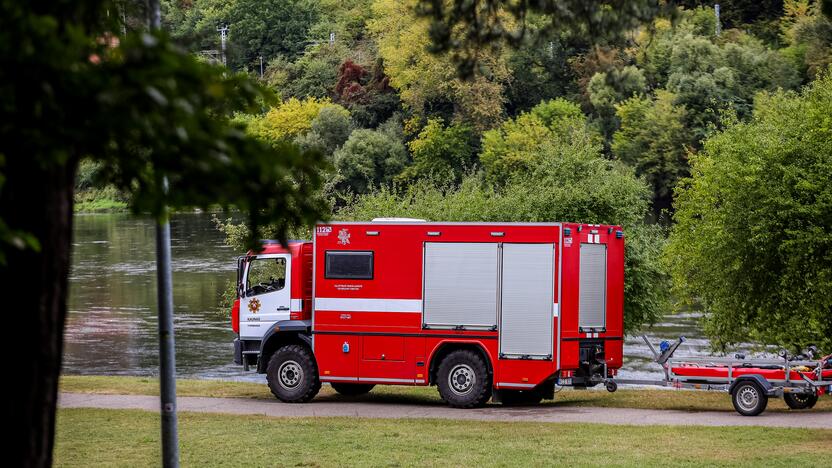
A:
(809, 419)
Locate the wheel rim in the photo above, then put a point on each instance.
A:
(290, 374)
(802, 399)
(461, 379)
(748, 398)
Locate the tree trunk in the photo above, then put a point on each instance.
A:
(36, 198)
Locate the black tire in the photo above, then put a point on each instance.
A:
(348, 389)
(799, 401)
(463, 379)
(521, 397)
(749, 399)
(293, 375)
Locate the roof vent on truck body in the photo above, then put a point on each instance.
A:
(399, 220)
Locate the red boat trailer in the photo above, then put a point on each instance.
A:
(799, 380)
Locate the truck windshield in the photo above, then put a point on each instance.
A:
(265, 275)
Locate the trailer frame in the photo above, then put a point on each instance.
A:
(804, 387)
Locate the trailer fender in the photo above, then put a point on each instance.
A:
(759, 379)
(283, 332)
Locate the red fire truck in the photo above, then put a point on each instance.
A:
(481, 310)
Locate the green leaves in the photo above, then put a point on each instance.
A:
(466, 28)
(173, 125)
(577, 185)
(441, 154)
(369, 158)
(752, 240)
(654, 140)
(153, 119)
(519, 145)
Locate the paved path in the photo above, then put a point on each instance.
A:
(807, 419)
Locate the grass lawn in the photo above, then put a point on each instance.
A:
(97, 437)
(624, 398)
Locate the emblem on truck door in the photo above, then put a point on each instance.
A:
(254, 305)
(343, 237)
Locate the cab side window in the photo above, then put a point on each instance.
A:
(265, 275)
(349, 264)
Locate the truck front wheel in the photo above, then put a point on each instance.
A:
(293, 375)
(463, 379)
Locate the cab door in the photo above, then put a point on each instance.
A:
(265, 295)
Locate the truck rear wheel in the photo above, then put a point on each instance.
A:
(749, 399)
(347, 389)
(799, 401)
(293, 375)
(463, 379)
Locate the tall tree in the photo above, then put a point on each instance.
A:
(654, 140)
(270, 28)
(753, 235)
(150, 113)
(467, 28)
(428, 83)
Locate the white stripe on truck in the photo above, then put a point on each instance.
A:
(368, 305)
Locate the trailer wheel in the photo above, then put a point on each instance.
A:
(749, 399)
(799, 401)
(293, 375)
(463, 379)
(351, 389)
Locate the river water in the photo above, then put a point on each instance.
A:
(111, 327)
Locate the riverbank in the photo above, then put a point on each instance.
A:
(95, 437)
(100, 200)
(623, 398)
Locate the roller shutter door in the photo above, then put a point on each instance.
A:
(460, 284)
(527, 300)
(593, 287)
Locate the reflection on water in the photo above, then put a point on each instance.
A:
(111, 328)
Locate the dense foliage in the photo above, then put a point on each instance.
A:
(753, 235)
(578, 185)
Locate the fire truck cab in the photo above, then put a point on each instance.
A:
(481, 310)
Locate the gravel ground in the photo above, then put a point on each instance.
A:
(805, 419)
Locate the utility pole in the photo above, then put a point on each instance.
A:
(261, 67)
(223, 35)
(718, 25)
(164, 295)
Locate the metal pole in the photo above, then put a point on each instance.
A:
(261, 66)
(167, 351)
(223, 34)
(164, 294)
(718, 25)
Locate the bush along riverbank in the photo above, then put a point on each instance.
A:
(100, 200)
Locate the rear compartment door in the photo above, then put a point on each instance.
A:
(527, 301)
(592, 301)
